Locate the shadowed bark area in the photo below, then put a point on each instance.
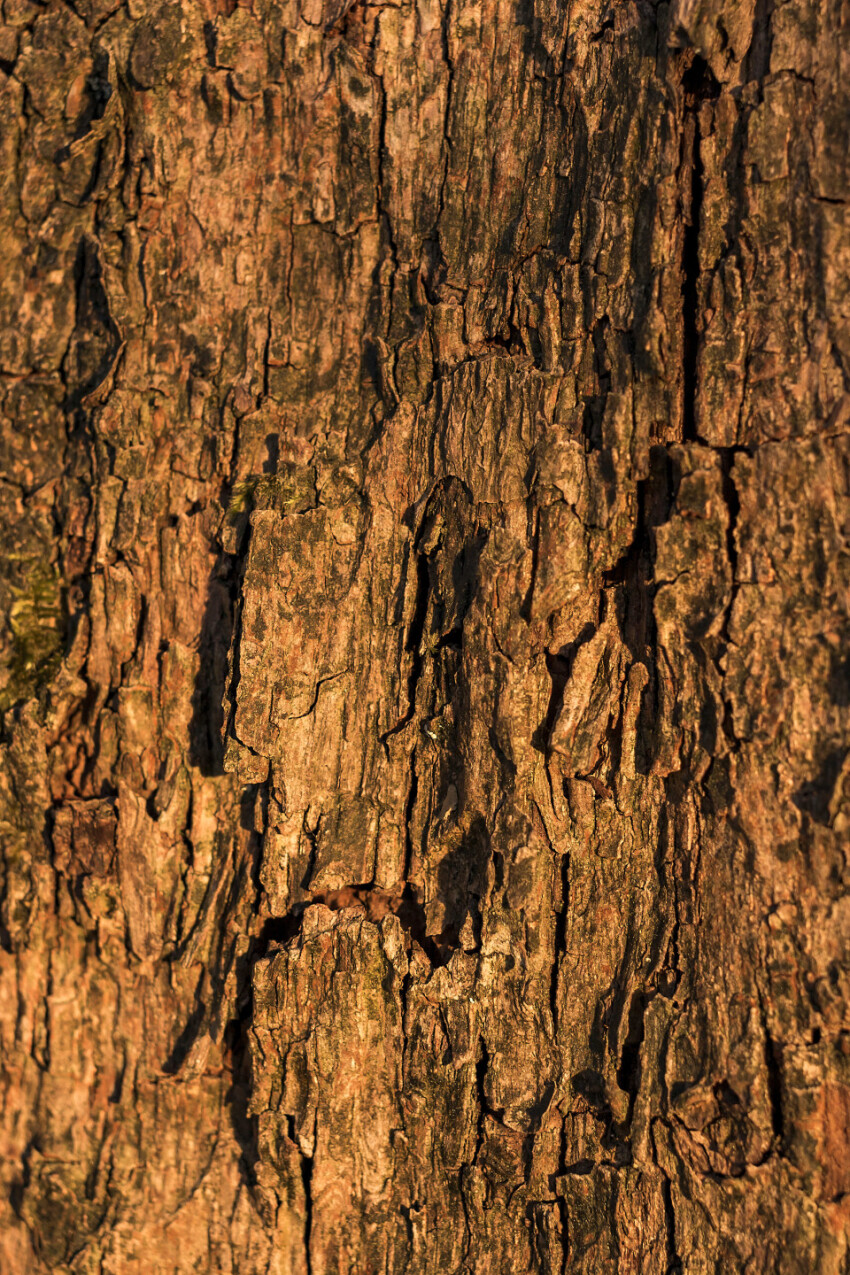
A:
(424, 672)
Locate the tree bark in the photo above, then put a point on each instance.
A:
(425, 788)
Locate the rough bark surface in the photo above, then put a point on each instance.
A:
(424, 665)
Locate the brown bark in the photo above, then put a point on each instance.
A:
(424, 790)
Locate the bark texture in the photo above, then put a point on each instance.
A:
(424, 667)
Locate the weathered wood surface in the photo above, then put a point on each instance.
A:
(425, 521)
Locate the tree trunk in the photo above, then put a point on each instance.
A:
(425, 787)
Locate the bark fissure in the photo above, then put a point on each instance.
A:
(307, 1181)
(560, 940)
(674, 1262)
(413, 643)
(698, 85)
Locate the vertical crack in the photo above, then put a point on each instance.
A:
(410, 805)
(565, 1236)
(772, 1056)
(757, 61)
(559, 666)
(447, 58)
(383, 213)
(733, 506)
(674, 1262)
(629, 1070)
(699, 86)
(560, 940)
(484, 1108)
(238, 1097)
(307, 1180)
(413, 644)
(690, 278)
(534, 539)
